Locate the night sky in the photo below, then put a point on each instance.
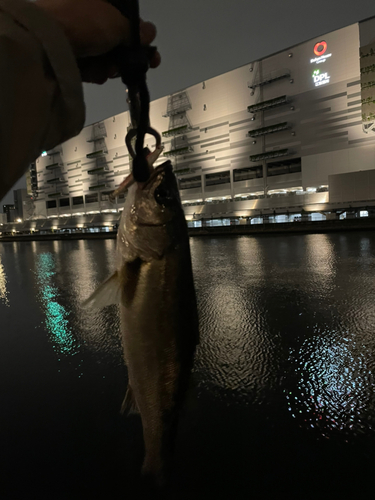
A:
(200, 39)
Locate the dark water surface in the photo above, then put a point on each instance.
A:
(282, 404)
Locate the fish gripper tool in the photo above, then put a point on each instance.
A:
(134, 62)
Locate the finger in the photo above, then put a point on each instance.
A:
(94, 69)
(155, 61)
(147, 32)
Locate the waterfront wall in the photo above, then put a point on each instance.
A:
(230, 230)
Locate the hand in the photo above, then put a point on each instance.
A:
(94, 28)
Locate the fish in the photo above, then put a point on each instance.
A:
(154, 287)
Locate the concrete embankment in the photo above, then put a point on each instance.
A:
(281, 228)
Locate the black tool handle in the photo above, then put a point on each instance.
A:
(134, 63)
(130, 9)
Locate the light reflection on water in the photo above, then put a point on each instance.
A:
(3, 285)
(286, 321)
(85, 268)
(236, 354)
(332, 366)
(321, 266)
(56, 315)
(335, 384)
(292, 315)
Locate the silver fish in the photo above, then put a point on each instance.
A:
(154, 286)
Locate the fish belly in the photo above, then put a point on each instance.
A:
(159, 328)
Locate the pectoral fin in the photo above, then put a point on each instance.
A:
(129, 404)
(108, 293)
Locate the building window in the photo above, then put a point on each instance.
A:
(51, 204)
(284, 167)
(219, 178)
(91, 198)
(243, 174)
(105, 196)
(64, 202)
(191, 182)
(77, 200)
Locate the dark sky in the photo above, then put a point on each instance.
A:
(200, 39)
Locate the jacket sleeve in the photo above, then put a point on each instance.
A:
(41, 95)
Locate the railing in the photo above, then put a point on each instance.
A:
(176, 131)
(271, 103)
(52, 166)
(98, 170)
(270, 154)
(95, 154)
(270, 78)
(177, 152)
(270, 129)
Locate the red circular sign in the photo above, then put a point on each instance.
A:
(320, 48)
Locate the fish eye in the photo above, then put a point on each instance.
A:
(164, 196)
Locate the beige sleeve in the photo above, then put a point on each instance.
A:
(41, 96)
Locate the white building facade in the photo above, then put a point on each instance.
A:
(268, 138)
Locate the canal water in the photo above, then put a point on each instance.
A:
(282, 398)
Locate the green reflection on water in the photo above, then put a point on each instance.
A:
(3, 285)
(56, 314)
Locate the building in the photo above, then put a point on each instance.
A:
(287, 136)
(32, 181)
(3, 218)
(9, 211)
(22, 204)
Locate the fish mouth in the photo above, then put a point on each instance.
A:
(167, 165)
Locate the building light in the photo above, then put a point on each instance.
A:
(44, 153)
